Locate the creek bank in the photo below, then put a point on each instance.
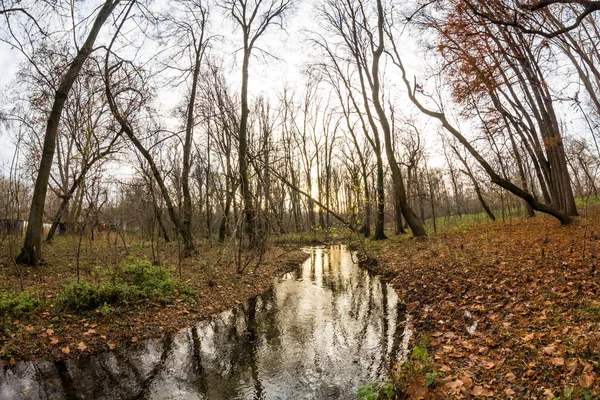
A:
(51, 334)
(507, 310)
(321, 332)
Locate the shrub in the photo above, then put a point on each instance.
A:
(152, 281)
(77, 296)
(83, 296)
(137, 281)
(141, 272)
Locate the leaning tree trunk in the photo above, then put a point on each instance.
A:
(188, 242)
(411, 219)
(31, 252)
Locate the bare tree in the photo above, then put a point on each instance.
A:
(253, 18)
(32, 247)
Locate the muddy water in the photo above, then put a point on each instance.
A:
(320, 333)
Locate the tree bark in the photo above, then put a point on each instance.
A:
(411, 219)
(31, 252)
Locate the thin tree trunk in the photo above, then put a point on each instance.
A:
(249, 214)
(188, 247)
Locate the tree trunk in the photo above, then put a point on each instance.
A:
(413, 221)
(379, 224)
(31, 252)
(188, 248)
(249, 217)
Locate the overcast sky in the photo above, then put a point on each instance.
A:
(266, 76)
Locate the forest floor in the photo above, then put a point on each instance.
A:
(506, 311)
(212, 284)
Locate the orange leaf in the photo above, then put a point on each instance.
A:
(510, 377)
(558, 361)
(444, 368)
(528, 337)
(66, 350)
(586, 380)
(81, 346)
(572, 367)
(454, 386)
(53, 341)
(529, 373)
(481, 391)
(417, 391)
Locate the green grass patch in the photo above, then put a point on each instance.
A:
(17, 305)
(315, 236)
(300, 238)
(581, 202)
(588, 311)
(134, 282)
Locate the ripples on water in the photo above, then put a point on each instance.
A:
(320, 333)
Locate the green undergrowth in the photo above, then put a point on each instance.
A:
(582, 202)
(17, 305)
(417, 370)
(316, 236)
(134, 282)
(376, 391)
(414, 376)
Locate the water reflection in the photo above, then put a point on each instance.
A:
(318, 334)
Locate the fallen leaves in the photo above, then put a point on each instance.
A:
(81, 346)
(66, 350)
(537, 315)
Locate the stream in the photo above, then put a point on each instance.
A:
(320, 333)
